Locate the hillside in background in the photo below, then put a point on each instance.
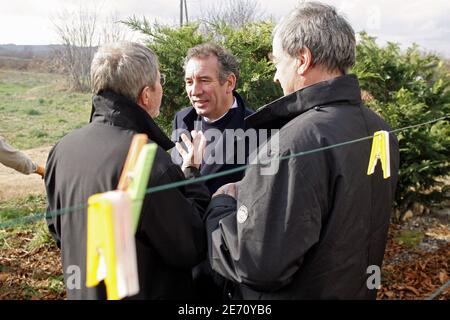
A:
(29, 57)
(28, 51)
(40, 58)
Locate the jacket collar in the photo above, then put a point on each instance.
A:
(343, 89)
(192, 116)
(114, 109)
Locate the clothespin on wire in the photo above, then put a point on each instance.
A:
(112, 222)
(380, 151)
(136, 172)
(111, 249)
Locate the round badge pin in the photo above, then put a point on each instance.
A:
(242, 214)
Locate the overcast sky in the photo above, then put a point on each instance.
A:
(404, 21)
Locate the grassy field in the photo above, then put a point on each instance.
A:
(36, 109)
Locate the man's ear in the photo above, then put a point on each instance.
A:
(304, 61)
(144, 97)
(231, 82)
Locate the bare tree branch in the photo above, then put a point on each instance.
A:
(235, 13)
(81, 31)
(114, 29)
(77, 30)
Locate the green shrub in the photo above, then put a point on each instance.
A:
(252, 45)
(410, 88)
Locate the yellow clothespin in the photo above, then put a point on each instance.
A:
(380, 150)
(101, 253)
(112, 221)
(111, 250)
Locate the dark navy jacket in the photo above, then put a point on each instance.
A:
(187, 119)
(208, 285)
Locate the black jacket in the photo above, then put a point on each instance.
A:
(311, 230)
(170, 238)
(209, 285)
(186, 120)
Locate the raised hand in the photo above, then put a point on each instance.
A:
(193, 156)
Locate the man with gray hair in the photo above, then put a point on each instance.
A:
(317, 228)
(170, 238)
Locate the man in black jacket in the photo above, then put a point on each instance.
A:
(170, 238)
(316, 227)
(211, 76)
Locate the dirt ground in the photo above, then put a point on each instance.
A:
(14, 184)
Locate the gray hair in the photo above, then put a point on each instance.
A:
(318, 27)
(125, 68)
(227, 61)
